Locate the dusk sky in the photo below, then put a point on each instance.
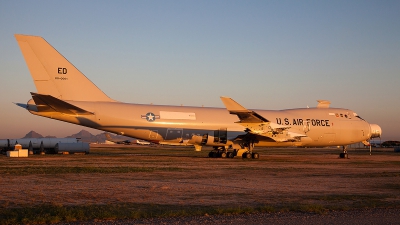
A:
(264, 54)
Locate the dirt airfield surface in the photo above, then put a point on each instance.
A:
(284, 183)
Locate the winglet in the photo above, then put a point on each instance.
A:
(232, 106)
(245, 115)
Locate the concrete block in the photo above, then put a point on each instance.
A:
(12, 154)
(23, 153)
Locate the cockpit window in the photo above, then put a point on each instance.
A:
(360, 117)
(357, 116)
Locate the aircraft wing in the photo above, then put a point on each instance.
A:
(48, 103)
(258, 125)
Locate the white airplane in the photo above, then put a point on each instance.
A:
(117, 140)
(140, 142)
(64, 93)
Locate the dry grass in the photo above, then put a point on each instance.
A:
(131, 182)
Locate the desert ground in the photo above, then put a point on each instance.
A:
(284, 181)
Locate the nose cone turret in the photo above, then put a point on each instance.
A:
(376, 131)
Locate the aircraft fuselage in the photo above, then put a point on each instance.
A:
(182, 124)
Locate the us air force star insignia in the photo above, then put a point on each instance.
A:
(150, 117)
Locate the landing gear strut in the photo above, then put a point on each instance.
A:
(344, 154)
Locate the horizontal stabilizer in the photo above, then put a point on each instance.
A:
(47, 103)
(25, 106)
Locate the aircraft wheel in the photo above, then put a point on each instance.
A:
(256, 156)
(223, 154)
(343, 155)
(246, 155)
(211, 154)
(229, 155)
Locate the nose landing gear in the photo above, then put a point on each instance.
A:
(344, 154)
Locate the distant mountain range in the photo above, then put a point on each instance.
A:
(84, 135)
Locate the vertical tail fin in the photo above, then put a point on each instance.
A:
(54, 75)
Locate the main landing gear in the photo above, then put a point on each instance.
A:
(249, 155)
(246, 152)
(344, 154)
(220, 152)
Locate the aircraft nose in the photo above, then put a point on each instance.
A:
(376, 130)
